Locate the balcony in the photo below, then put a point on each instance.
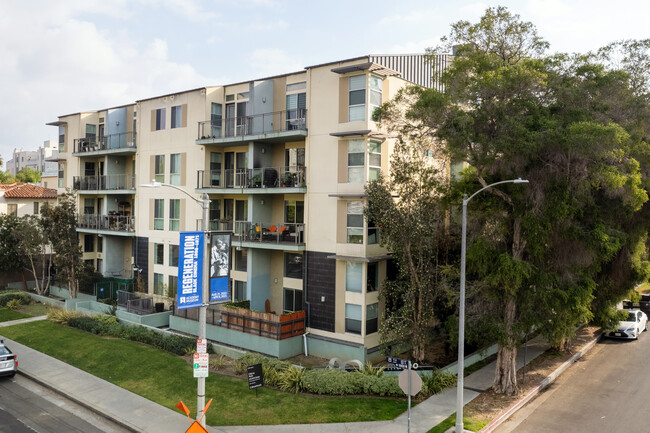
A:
(279, 236)
(275, 127)
(114, 222)
(114, 144)
(109, 183)
(255, 181)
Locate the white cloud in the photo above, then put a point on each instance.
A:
(271, 62)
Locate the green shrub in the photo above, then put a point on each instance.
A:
(438, 380)
(21, 297)
(382, 385)
(291, 379)
(14, 304)
(62, 316)
(368, 370)
(333, 382)
(218, 362)
(238, 367)
(271, 375)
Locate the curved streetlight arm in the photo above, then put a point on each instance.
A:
(155, 184)
(519, 180)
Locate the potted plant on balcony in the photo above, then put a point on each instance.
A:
(288, 179)
(256, 181)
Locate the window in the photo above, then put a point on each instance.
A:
(173, 255)
(89, 206)
(158, 254)
(373, 233)
(175, 169)
(91, 133)
(61, 139)
(374, 160)
(293, 265)
(159, 214)
(174, 215)
(375, 93)
(100, 246)
(240, 291)
(61, 177)
(353, 276)
(36, 205)
(215, 214)
(241, 259)
(89, 169)
(355, 222)
(292, 300)
(160, 119)
(294, 211)
(353, 318)
(216, 119)
(371, 318)
(356, 161)
(89, 243)
(294, 157)
(357, 98)
(171, 286)
(296, 105)
(177, 117)
(158, 284)
(215, 169)
(372, 279)
(159, 168)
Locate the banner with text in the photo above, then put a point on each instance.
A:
(220, 246)
(190, 270)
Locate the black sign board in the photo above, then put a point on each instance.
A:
(255, 376)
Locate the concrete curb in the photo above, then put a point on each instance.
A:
(70, 397)
(503, 416)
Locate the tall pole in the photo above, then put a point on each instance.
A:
(461, 323)
(203, 309)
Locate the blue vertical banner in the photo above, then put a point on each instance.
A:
(220, 248)
(190, 271)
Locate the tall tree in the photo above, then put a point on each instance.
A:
(33, 244)
(60, 224)
(10, 258)
(27, 175)
(6, 177)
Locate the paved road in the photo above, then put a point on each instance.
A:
(604, 392)
(26, 407)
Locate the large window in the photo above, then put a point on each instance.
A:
(159, 168)
(353, 318)
(296, 105)
(91, 133)
(159, 214)
(175, 169)
(158, 254)
(292, 300)
(373, 277)
(374, 160)
(375, 93)
(89, 206)
(356, 161)
(294, 157)
(173, 255)
(372, 311)
(12, 209)
(61, 175)
(240, 291)
(355, 222)
(215, 119)
(171, 286)
(160, 119)
(174, 215)
(293, 265)
(215, 169)
(158, 284)
(61, 139)
(357, 98)
(215, 214)
(241, 259)
(36, 208)
(353, 276)
(294, 211)
(177, 117)
(89, 243)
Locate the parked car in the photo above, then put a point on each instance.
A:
(8, 361)
(635, 323)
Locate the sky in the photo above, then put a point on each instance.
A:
(65, 56)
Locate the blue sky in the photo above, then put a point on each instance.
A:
(61, 57)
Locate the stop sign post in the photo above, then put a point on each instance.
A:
(409, 381)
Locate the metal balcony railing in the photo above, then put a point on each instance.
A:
(124, 140)
(118, 223)
(248, 231)
(103, 182)
(265, 177)
(277, 121)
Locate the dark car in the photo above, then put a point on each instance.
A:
(8, 361)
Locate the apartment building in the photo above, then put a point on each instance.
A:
(284, 161)
(43, 159)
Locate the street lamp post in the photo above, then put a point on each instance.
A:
(461, 306)
(205, 205)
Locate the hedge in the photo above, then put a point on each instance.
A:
(21, 297)
(109, 326)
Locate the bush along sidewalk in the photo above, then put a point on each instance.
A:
(105, 325)
(21, 298)
(368, 380)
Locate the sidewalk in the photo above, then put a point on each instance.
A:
(141, 415)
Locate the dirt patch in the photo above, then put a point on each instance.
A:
(488, 404)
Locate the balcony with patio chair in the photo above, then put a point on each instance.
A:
(264, 180)
(115, 144)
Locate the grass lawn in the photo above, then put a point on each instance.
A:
(6, 315)
(167, 379)
(34, 309)
(468, 424)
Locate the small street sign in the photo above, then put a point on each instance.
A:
(402, 363)
(416, 382)
(202, 345)
(255, 376)
(201, 361)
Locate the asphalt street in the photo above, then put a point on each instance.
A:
(603, 392)
(26, 407)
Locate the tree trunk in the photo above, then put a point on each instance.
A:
(505, 375)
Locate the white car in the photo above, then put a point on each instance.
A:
(8, 361)
(632, 327)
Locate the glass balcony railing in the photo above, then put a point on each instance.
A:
(248, 231)
(103, 182)
(266, 177)
(124, 140)
(110, 222)
(258, 124)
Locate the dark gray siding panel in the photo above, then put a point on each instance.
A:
(321, 281)
(416, 68)
(142, 258)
